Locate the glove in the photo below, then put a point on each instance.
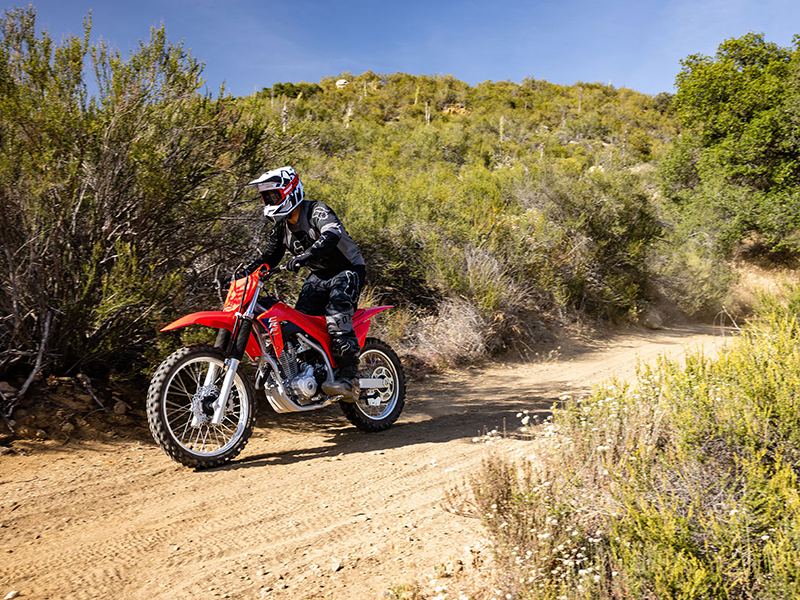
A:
(295, 262)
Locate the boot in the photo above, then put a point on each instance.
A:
(345, 350)
(346, 387)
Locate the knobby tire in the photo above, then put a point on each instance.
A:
(177, 398)
(377, 410)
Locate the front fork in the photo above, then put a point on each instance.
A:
(237, 342)
(223, 338)
(224, 392)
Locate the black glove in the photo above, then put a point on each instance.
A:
(295, 262)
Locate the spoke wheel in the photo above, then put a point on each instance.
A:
(180, 403)
(377, 409)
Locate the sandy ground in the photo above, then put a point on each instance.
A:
(312, 508)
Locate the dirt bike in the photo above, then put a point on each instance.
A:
(201, 405)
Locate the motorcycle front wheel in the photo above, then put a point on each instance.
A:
(377, 409)
(180, 406)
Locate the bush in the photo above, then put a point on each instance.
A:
(111, 208)
(683, 485)
(611, 226)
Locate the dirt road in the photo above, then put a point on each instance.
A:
(311, 509)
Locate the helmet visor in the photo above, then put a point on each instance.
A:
(272, 197)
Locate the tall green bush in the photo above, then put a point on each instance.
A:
(740, 155)
(109, 205)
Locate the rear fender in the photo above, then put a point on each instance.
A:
(218, 320)
(362, 319)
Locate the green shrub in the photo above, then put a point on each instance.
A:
(110, 208)
(686, 481)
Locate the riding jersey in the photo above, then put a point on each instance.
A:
(320, 233)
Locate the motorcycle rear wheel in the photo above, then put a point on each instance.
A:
(378, 409)
(179, 409)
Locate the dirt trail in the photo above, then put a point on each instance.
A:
(311, 509)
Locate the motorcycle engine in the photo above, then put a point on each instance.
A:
(298, 376)
(304, 384)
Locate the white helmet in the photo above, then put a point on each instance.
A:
(281, 191)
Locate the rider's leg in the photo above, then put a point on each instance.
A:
(313, 297)
(344, 290)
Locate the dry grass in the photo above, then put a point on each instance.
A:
(457, 335)
(755, 280)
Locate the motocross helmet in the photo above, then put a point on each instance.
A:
(281, 191)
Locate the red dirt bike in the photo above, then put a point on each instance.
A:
(201, 405)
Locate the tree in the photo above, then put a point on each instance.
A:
(740, 108)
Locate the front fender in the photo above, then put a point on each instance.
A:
(218, 320)
(212, 318)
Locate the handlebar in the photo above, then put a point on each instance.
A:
(265, 275)
(295, 263)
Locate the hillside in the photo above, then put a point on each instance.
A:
(503, 204)
(491, 215)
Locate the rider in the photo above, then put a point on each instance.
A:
(315, 237)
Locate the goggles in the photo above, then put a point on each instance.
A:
(271, 197)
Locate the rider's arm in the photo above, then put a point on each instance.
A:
(329, 227)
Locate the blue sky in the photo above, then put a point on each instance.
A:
(250, 44)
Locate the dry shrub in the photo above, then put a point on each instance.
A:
(457, 335)
(684, 485)
(755, 280)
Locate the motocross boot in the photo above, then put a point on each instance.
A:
(346, 387)
(346, 383)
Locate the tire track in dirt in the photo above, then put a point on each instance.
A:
(312, 508)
